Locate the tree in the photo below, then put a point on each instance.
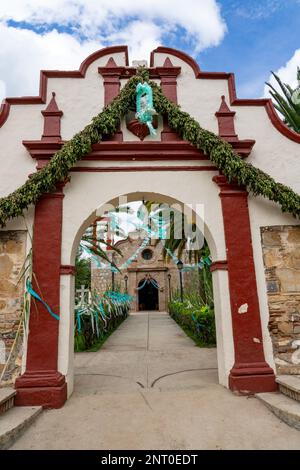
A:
(288, 103)
(82, 272)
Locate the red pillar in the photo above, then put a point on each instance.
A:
(168, 74)
(250, 372)
(111, 80)
(42, 384)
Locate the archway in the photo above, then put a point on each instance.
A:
(241, 360)
(148, 294)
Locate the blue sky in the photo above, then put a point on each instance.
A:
(262, 36)
(248, 37)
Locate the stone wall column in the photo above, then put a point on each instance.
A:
(42, 384)
(250, 372)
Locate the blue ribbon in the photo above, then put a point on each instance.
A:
(143, 285)
(78, 322)
(36, 296)
(154, 283)
(199, 325)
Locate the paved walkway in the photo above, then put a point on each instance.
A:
(150, 387)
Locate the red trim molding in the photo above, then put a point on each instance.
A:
(250, 372)
(67, 269)
(131, 151)
(52, 116)
(176, 53)
(43, 387)
(226, 126)
(168, 83)
(108, 169)
(219, 266)
(111, 80)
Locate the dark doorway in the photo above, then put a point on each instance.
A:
(148, 295)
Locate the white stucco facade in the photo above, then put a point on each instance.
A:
(87, 192)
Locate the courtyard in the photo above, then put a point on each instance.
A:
(150, 387)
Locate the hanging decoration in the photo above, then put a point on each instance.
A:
(101, 311)
(144, 105)
(154, 229)
(188, 267)
(107, 121)
(148, 280)
(36, 296)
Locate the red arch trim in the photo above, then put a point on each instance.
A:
(234, 101)
(45, 74)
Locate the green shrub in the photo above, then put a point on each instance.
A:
(197, 321)
(90, 337)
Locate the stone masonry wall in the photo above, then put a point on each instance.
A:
(281, 252)
(12, 256)
(157, 267)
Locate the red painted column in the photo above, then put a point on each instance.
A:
(42, 384)
(168, 74)
(111, 81)
(52, 116)
(250, 372)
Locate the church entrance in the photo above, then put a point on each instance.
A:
(148, 294)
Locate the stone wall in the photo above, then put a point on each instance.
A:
(157, 267)
(281, 252)
(12, 256)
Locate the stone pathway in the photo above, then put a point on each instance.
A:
(150, 387)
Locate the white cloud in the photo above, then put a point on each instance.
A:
(200, 19)
(287, 73)
(88, 24)
(146, 38)
(24, 53)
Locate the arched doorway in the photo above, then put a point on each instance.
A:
(241, 364)
(148, 294)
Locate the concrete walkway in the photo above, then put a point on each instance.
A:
(150, 387)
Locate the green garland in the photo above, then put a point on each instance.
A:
(107, 123)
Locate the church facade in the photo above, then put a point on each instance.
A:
(149, 278)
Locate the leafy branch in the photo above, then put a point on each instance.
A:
(106, 123)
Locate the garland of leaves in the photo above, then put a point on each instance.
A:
(107, 122)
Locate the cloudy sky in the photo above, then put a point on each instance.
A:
(248, 37)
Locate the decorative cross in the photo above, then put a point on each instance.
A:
(80, 294)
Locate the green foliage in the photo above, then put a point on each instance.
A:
(197, 321)
(205, 279)
(86, 339)
(82, 273)
(107, 122)
(224, 157)
(284, 103)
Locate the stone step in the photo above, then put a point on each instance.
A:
(7, 398)
(283, 407)
(14, 422)
(289, 385)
